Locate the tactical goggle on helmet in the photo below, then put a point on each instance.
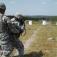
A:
(2, 8)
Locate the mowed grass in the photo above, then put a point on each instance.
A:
(29, 31)
(45, 40)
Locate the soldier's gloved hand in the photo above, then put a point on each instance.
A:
(14, 22)
(6, 19)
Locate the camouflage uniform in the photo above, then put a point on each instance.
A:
(15, 30)
(5, 43)
(5, 38)
(9, 28)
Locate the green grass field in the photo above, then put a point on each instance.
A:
(45, 39)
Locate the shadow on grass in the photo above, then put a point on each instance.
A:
(34, 54)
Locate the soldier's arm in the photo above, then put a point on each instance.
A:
(13, 25)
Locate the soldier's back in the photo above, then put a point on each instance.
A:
(4, 37)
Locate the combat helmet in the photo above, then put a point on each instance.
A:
(19, 17)
(2, 7)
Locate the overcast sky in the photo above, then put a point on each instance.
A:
(31, 7)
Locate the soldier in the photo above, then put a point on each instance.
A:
(21, 20)
(5, 44)
(9, 30)
(15, 34)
